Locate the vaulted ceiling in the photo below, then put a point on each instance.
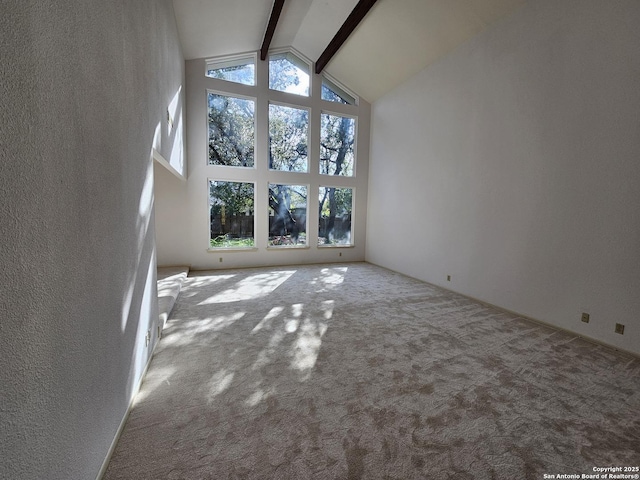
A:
(396, 39)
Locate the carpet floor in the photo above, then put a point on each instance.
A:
(351, 371)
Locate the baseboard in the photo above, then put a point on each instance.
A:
(517, 314)
(105, 463)
(547, 324)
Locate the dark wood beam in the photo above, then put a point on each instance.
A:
(349, 25)
(271, 27)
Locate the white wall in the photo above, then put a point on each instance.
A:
(513, 165)
(83, 87)
(182, 210)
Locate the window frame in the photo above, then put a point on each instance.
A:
(302, 59)
(260, 175)
(231, 61)
(336, 85)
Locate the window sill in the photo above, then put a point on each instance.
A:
(288, 247)
(336, 246)
(232, 249)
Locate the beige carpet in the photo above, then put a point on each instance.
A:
(352, 371)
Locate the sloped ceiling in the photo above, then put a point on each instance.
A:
(397, 38)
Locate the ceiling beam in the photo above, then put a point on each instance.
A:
(271, 27)
(349, 25)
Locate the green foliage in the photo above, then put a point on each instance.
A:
(287, 219)
(342, 198)
(224, 241)
(236, 197)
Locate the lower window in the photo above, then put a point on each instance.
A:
(231, 214)
(287, 215)
(335, 205)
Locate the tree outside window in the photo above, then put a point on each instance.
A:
(231, 131)
(287, 215)
(337, 137)
(231, 214)
(288, 138)
(334, 218)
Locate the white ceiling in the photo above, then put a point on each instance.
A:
(397, 38)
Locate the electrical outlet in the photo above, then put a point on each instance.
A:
(220, 259)
(585, 317)
(339, 254)
(448, 278)
(620, 328)
(147, 338)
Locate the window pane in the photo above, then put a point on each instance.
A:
(239, 70)
(287, 215)
(288, 138)
(287, 73)
(333, 93)
(335, 216)
(231, 214)
(231, 131)
(337, 136)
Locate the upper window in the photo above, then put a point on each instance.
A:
(332, 92)
(231, 130)
(236, 69)
(288, 138)
(288, 73)
(337, 136)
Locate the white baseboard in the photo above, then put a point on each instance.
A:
(114, 442)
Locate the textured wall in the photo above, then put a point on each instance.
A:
(84, 87)
(518, 153)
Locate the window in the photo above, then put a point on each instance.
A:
(288, 73)
(334, 227)
(287, 215)
(231, 214)
(337, 135)
(331, 92)
(231, 130)
(288, 138)
(284, 146)
(234, 69)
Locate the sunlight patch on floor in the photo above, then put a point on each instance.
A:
(265, 354)
(252, 287)
(154, 378)
(257, 397)
(220, 382)
(195, 283)
(307, 346)
(213, 324)
(266, 321)
(330, 278)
